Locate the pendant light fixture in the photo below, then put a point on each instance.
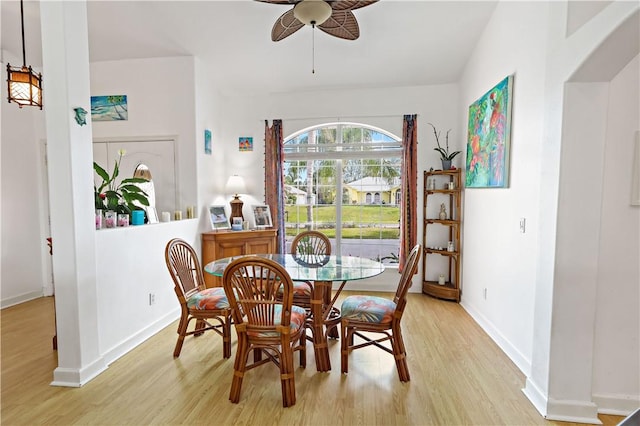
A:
(24, 85)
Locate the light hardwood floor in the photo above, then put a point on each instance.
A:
(458, 377)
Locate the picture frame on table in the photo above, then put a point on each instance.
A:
(152, 214)
(218, 217)
(262, 216)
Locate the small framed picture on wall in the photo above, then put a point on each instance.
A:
(245, 144)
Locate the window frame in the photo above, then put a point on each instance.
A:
(297, 151)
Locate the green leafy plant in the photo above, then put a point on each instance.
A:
(444, 152)
(120, 197)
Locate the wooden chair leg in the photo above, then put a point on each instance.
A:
(400, 354)
(199, 324)
(239, 368)
(344, 348)
(257, 355)
(182, 330)
(226, 337)
(303, 351)
(287, 378)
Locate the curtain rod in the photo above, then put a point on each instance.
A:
(336, 118)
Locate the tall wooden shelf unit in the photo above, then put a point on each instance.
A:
(432, 247)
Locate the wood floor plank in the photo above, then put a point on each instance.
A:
(458, 376)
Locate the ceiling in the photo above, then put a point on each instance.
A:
(402, 43)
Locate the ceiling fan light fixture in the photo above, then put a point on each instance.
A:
(312, 12)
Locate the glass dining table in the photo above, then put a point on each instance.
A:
(322, 272)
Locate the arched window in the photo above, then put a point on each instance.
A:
(348, 168)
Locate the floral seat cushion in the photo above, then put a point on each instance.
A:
(371, 309)
(209, 299)
(300, 289)
(298, 316)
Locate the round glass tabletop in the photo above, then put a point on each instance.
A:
(314, 268)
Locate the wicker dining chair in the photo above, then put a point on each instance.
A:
(265, 325)
(372, 314)
(313, 247)
(196, 301)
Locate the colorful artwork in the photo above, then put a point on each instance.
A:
(489, 138)
(245, 144)
(109, 108)
(207, 141)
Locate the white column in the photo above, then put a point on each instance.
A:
(65, 52)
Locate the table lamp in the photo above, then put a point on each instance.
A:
(236, 185)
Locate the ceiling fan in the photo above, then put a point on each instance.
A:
(334, 17)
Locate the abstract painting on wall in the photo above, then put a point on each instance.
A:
(489, 138)
(109, 108)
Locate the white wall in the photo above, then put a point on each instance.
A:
(161, 102)
(576, 263)
(543, 290)
(130, 267)
(213, 169)
(24, 251)
(616, 360)
(131, 264)
(496, 256)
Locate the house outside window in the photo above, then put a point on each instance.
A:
(343, 179)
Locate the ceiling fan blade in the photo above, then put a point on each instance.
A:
(341, 24)
(279, 1)
(285, 25)
(349, 4)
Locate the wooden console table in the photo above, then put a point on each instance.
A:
(226, 243)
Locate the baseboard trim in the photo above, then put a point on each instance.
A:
(536, 397)
(616, 404)
(572, 411)
(132, 342)
(75, 378)
(16, 300)
(516, 356)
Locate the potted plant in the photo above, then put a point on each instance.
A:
(118, 197)
(445, 155)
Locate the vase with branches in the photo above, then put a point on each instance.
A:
(445, 155)
(118, 196)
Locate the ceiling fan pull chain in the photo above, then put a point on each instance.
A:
(313, 48)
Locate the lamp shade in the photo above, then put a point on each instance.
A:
(25, 86)
(312, 12)
(235, 185)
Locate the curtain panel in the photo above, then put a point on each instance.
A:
(408, 208)
(274, 178)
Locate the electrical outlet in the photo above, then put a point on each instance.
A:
(152, 299)
(523, 225)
